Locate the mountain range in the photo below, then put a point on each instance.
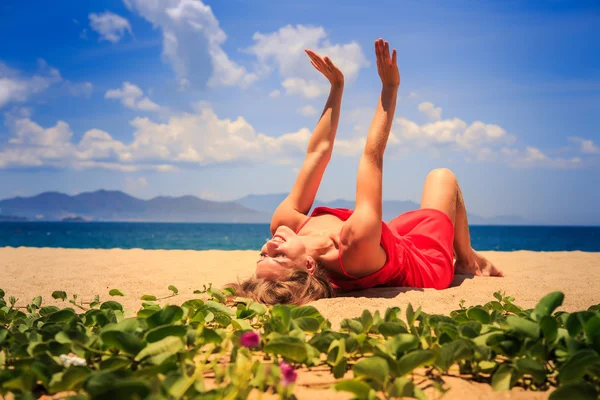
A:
(105, 205)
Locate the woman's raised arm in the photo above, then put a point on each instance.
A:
(362, 231)
(298, 203)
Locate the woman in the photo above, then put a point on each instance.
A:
(309, 257)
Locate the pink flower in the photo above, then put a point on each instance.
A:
(288, 375)
(250, 339)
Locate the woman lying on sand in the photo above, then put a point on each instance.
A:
(309, 257)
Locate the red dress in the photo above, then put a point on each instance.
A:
(419, 249)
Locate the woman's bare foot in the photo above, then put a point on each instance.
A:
(476, 264)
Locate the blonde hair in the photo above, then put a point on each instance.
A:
(299, 288)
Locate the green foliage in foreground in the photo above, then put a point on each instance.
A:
(205, 349)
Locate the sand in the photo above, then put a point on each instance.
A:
(28, 272)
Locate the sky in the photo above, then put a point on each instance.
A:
(217, 99)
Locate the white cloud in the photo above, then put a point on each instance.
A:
(110, 26)
(15, 87)
(284, 50)
(586, 146)
(132, 97)
(201, 138)
(478, 141)
(191, 36)
(308, 89)
(431, 111)
(308, 111)
(534, 157)
(192, 139)
(274, 94)
(133, 185)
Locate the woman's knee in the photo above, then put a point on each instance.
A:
(442, 175)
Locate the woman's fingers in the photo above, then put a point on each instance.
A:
(394, 57)
(386, 52)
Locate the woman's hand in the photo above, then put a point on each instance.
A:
(386, 66)
(327, 68)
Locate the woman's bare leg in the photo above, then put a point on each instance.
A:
(442, 192)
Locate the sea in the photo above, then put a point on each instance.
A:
(209, 236)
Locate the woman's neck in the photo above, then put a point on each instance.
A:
(318, 244)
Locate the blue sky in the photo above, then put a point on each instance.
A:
(217, 99)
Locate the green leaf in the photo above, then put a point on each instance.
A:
(410, 314)
(258, 308)
(414, 359)
(166, 316)
(470, 329)
(374, 368)
(218, 307)
(402, 387)
(59, 294)
(577, 390)
(148, 297)
(47, 310)
(129, 325)
(114, 363)
(3, 334)
(37, 301)
(366, 320)
(63, 315)
(161, 332)
(289, 347)
(391, 314)
(161, 350)
(115, 292)
(352, 325)
(388, 329)
(531, 367)
(453, 352)
(478, 314)
(124, 341)
(179, 385)
(360, 389)
(111, 305)
(503, 378)
(523, 326)
(577, 366)
(498, 296)
(241, 325)
(549, 328)
(305, 311)
(308, 324)
(336, 351)
(173, 289)
(577, 320)
(217, 295)
(592, 332)
(72, 379)
(547, 305)
(307, 318)
(401, 343)
(339, 370)
(2, 294)
(108, 386)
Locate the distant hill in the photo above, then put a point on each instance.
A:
(105, 205)
(11, 218)
(267, 203)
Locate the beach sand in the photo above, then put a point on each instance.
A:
(28, 272)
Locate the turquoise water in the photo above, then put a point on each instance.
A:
(196, 236)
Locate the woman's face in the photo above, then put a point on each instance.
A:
(285, 251)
